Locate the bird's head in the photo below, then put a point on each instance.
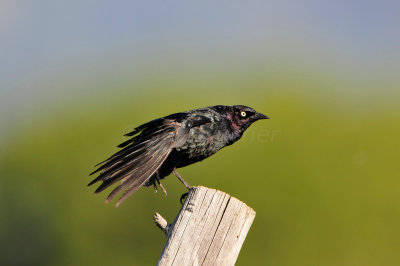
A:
(240, 116)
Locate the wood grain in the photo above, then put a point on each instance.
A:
(209, 229)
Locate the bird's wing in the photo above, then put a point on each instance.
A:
(143, 154)
(137, 162)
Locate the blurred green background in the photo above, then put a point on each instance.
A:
(322, 173)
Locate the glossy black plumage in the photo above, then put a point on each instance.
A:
(156, 148)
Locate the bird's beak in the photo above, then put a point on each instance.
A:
(259, 116)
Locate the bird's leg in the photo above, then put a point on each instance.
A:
(181, 179)
(159, 183)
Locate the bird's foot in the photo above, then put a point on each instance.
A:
(184, 195)
(159, 183)
(181, 179)
(163, 188)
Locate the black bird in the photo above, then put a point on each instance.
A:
(160, 146)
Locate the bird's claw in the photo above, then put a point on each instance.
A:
(163, 188)
(184, 195)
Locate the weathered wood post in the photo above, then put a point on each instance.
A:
(209, 229)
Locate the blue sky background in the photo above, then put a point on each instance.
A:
(47, 38)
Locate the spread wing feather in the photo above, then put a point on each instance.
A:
(134, 182)
(141, 157)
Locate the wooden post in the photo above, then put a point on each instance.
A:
(209, 230)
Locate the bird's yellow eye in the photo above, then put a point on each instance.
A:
(243, 114)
